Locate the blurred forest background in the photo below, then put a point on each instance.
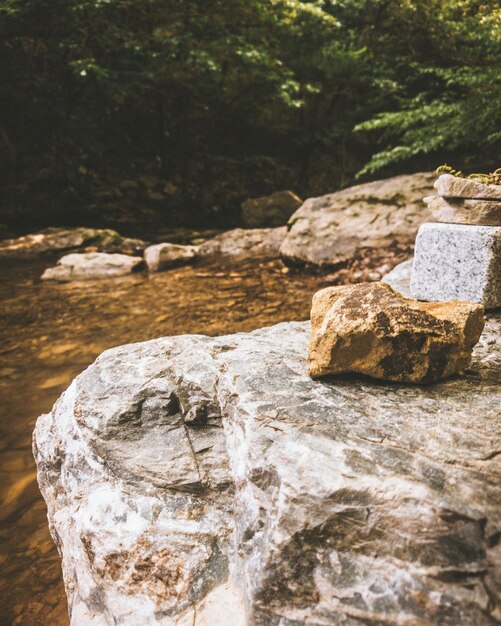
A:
(115, 112)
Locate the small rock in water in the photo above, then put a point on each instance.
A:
(161, 256)
(458, 262)
(370, 329)
(450, 186)
(79, 266)
(465, 210)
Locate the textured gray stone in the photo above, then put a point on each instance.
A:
(161, 256)
(86, 266)
(191, 472)
(465, 211)
(450, 186)
(458, 262)
(331, 229)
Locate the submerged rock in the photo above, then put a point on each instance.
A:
(245, 243)
(191, 474)
(161, 256)
(83, 266)
(273, 210)
(60, 239)
(450, 186)
(370, 329)
(329, 230)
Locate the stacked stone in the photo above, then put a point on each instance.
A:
(459, 257)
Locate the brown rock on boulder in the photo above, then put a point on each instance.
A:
(273, 210)
(370, 329)
(465, 210)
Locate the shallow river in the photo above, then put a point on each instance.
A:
(51, 332)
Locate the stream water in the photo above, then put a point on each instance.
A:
(50, 332)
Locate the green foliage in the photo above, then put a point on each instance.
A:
(448, 102)
(218, 101)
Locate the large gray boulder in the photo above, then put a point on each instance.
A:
(61, 239)
(330, 230)
(211, 481)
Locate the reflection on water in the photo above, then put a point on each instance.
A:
(50, 332)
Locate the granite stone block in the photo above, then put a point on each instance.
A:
(458, 262)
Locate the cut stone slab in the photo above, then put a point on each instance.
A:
(370, 329)
(465, 211)
(86, 266)
(192, 472)
(450, 186)
(162, 256)
(458, 262)
(332, 229)
(272, 210)
(245, 243)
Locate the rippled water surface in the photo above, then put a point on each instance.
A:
(51, 332)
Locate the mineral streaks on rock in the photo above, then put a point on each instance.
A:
(370, 329)
(86, 266)
(345, 501)
(330, 229)
(458, 262)
(450, 186)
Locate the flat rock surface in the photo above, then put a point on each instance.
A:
(450, 186)
(59, 239)
(329, 230)
(86, 266)
(465, 210)
(191, 474)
